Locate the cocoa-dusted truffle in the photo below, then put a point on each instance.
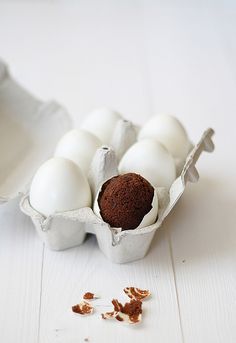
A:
(124, 200)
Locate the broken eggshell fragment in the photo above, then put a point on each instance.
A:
(90, 296)
(137, 293)
(130, 312)
(83, 308)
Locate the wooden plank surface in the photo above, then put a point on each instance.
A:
(141, 59)
(21, 270)
(68, 275)
(191, 74)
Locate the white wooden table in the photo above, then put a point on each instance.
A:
(139, 57)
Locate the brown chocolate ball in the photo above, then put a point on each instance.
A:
(124, 200)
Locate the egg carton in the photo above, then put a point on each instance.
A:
(24, 116)
(67, 229)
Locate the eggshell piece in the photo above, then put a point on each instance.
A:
(151, 217)
(59, 185)
(150, 159)
(101, 122)
(169, 131)
(78, 146)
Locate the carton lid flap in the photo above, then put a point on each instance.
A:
(29, 131)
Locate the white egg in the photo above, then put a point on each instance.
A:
(150, 159)
(169, 131)
(147, 220)
(101, 123)
(78, 146)
(59, 185)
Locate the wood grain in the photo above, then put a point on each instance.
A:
(21, 268)
(68, 275)
(201, 228)
(140, 58)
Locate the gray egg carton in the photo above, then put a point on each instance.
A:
(45, 123)
(29, 131)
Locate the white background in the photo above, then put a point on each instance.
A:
(139, 57)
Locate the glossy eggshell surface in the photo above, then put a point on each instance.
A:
(150, 159)
(59, 185)
(78, 146)
(169, 131)
(101, 122)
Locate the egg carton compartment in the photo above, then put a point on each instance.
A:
(64, 230)
(29, 132)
